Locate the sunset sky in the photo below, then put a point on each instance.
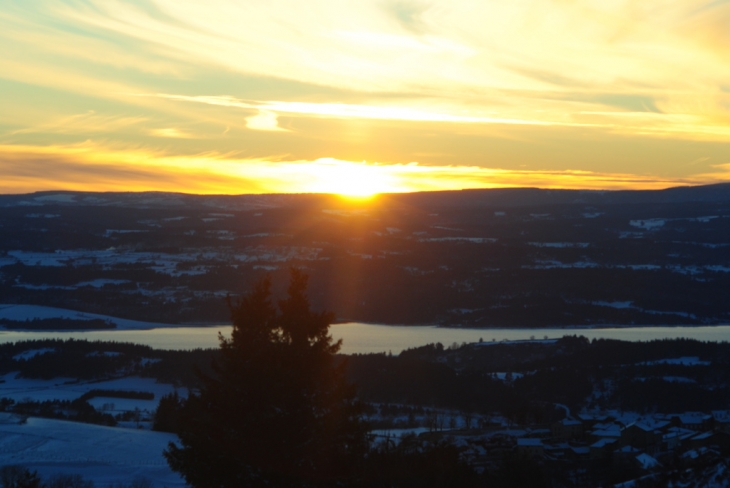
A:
(248, 96)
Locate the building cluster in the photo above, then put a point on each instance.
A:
(589, 445)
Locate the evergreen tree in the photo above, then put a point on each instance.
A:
(167, 413)
(16, 476)
(277, 411)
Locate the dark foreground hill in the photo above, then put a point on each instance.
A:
(514, 257)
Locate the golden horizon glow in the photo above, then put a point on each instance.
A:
(212, 173)
(288, 97)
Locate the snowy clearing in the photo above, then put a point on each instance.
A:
(30, 312)
(104, 455)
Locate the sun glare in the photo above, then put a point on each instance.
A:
(350, 180)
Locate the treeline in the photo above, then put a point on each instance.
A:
(570, 371)
(639, 376)
(134, 395)
(19, 476)
(57, 324)
(93, 360)
(78, 410)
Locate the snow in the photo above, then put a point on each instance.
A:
(650, 224)
(101, 283)
(70, 389)
(160, 262)
(704, 219)
(552, 264)
(476, 240)
(506, 376)
(655, 224)
(639, 267)
(103, 455)
(682, 361)
(32, 353)
(110, 232)
(647, 462)
(115, 405)
(63, 198)
(30, 312)
(559, 244)
(614, 304)
(678, 379)
(607, 433)
(397, 433)
(630, 235)
(39, 390)
(718, 268)
(601, 443)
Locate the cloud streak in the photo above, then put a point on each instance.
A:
(380, 80)
(89, 167)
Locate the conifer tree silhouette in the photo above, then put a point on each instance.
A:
(277, 411)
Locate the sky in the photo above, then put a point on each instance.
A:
(360, 97)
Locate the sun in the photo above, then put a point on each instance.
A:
(350, 180)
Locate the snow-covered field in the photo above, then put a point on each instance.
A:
(30, 312)
(70, 389)
(104, 455)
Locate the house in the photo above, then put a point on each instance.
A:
(603, 448)
(674, 437)
(721, 420)
(605, 431)
(578, 453)
(591, 419)
(642, 436)
(567, 429)
(626, 455)
(531, 447)
(693, 420)
(647, 462)
(708, 439)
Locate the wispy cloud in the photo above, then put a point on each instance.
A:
(342, 110)
(93, 167)
(86, 123)
(476, 85)
(264, 120)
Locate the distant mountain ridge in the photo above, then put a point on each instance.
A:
(504, 197)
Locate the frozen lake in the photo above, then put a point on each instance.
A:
(370, 338)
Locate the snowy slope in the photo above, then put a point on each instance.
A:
(102, 454)
(23, 312)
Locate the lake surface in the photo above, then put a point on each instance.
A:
(368, 338)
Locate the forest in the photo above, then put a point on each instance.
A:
(511, 258)
(569, 371)
(449, 391)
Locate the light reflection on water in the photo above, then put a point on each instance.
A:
(368, 338)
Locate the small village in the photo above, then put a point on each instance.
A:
(597, 448)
